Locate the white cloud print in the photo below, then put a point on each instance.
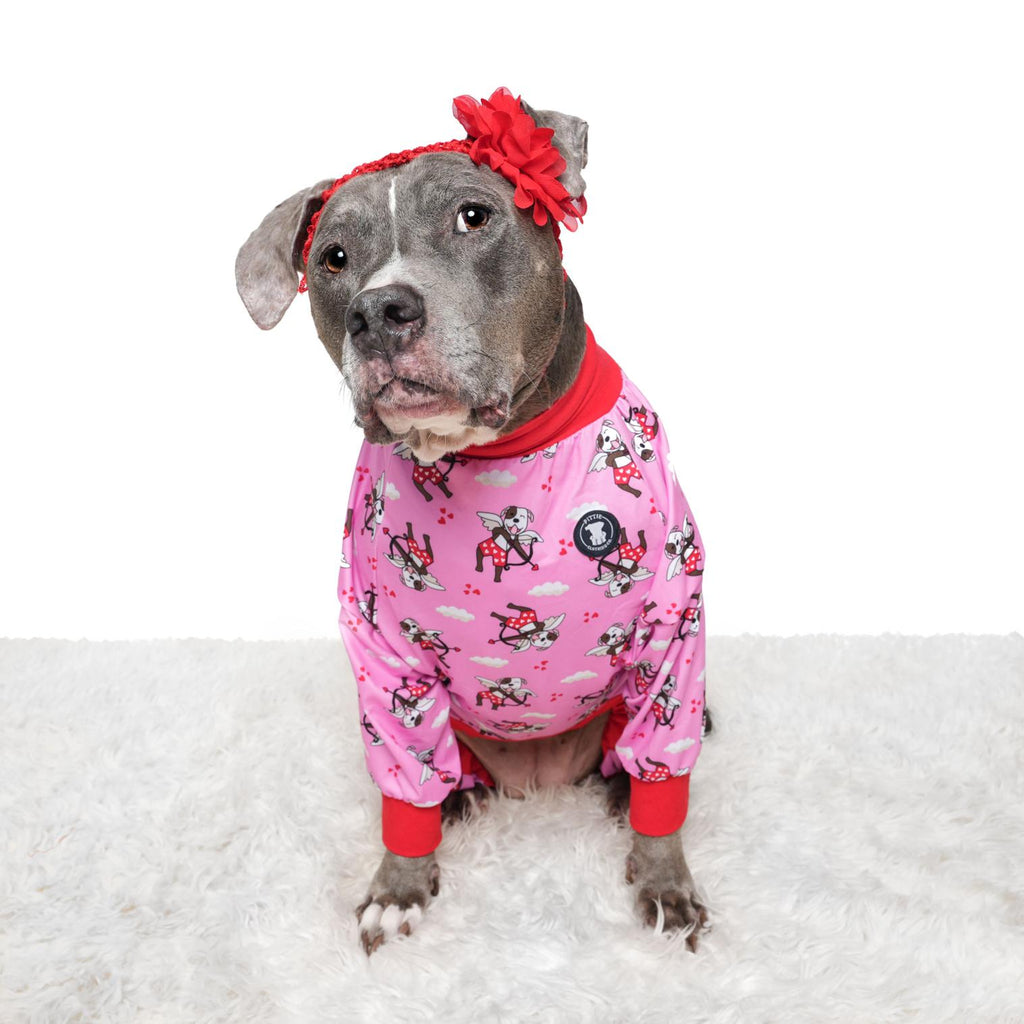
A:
(552, 589)
(496, 478)
(660, 645)
(441, 718)
(489, 662)
(585, 674)
(452, 612)
(582, 510)
(391, 491)
(675, 748)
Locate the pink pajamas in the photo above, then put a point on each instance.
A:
(542, 592)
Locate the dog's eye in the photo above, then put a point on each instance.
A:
(334, 259)
(471, 218)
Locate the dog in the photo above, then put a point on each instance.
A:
(436, 285)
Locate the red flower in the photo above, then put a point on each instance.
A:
(508, 140)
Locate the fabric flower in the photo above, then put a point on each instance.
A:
(507, 139)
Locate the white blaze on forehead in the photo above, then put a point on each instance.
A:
(394, 271)
(393, 207)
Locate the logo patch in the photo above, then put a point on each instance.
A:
(596, 533)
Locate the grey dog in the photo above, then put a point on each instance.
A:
(477, 346)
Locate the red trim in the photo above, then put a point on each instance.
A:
(593, 393)
(472, 765)
(614, 705)
(408, 830)
(460, 726)
(617, 721)
(655, 808)
(658, 808)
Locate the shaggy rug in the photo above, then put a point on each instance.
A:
(186, 827)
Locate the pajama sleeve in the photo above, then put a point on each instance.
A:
(410, 748)
(665, 697)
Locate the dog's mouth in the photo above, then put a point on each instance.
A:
(409, 400)
(404, 392)
(406, 400)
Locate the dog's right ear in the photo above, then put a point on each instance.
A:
(268, 265)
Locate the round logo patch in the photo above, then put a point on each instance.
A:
(596, 533)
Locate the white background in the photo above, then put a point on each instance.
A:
(805, 243)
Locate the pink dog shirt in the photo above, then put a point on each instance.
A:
(519, 589)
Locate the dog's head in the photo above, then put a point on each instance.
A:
(643, 447)
(440, 300)
(516, 519)
(544, 638)
(619, 584)
(609, 440)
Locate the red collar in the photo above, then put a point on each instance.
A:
(593, 393)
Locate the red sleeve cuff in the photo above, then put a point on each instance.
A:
(655, 809)
(658, 808)
(408, 830)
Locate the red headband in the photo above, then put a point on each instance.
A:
(502, 135)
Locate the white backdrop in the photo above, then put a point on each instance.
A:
(805, 244)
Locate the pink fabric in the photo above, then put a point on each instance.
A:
(534, 652)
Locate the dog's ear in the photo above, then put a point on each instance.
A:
(268, 265)
(570, 140)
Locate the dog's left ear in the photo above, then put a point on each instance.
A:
(570, 140)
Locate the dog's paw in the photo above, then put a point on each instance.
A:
(666, 896)
(399, 893)
(381, 921)
(464, 804)
(617, 795)
(673, 910)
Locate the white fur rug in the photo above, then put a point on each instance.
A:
(186, 827)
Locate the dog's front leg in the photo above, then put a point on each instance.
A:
(657, 867)
(400, 890)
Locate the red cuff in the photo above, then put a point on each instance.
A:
(408, 830)
(658, 808)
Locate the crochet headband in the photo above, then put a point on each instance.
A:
(503, 136)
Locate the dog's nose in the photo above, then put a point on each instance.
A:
(385, 319)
